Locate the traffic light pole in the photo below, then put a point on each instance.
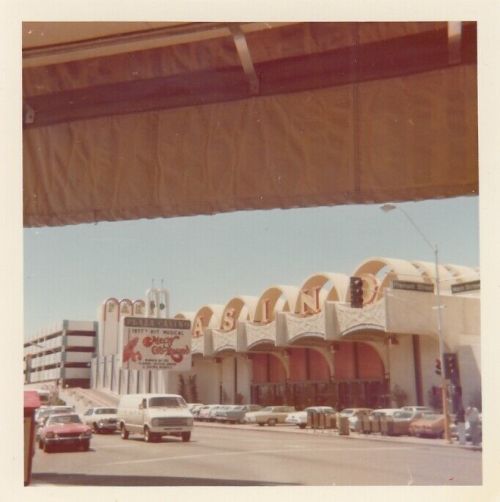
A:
(444, 386)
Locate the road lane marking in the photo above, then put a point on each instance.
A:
(248, 452)
(115, 446)
(410, 476)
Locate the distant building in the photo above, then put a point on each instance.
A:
(62, 354)
(316, 343)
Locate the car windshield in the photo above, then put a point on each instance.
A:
(50, 411)
(430, 416)
(402, 414)
(106, 411)
(64, 419)
(167, 402)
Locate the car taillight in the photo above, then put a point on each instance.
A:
(50, 434)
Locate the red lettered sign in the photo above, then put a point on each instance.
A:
(153, 343)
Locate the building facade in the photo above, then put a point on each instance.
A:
(61, 353)
(308, 344)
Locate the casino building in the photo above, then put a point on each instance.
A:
(327, 340)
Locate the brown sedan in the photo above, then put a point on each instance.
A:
(429, 425)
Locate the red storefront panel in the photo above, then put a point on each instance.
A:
(318, 367)
(259, 368)
(298, 365)
(344, 362)
(370, 364)
(277, 371)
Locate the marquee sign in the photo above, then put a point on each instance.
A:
(156, 344)
(466, 286)
(413, 286)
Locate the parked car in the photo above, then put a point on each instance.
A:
(429, 425)
(204, 412)
(218, 412)
(401, 421)
(101, 419)
(299, 418)
(64, 429)
(418, 409)
(212, 412)
(383, 412)
(235, 414)
(271, 415)
(354, 415)
(195, 408)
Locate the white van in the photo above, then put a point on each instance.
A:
(154, 416)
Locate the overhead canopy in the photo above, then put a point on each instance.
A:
(145, 120)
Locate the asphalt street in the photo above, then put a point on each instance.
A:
(244, 456)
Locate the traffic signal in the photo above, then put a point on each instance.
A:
(356, 286)
(451, 367)
(437, 367)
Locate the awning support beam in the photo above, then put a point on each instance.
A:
(246, 59)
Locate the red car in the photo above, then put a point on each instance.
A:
(64, 430)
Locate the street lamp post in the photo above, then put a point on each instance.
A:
(444, 387)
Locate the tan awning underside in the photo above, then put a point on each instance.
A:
(407, 137)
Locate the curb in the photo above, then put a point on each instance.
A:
(352, 435)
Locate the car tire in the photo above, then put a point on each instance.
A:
(95, 428)
(271, 422)
(86, 446)
(186, 436)
(148, 436)
(302, 426)
(123, 432)
(47, 448)
(40, 444)
(261, 424)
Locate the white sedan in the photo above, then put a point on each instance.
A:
(101, 419)
(271, 415)
(354, 416)
(299, 418)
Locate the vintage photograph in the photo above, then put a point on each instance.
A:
(251, 253)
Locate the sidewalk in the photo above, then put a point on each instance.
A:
(292, 429)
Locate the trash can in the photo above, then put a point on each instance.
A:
(387, 426)
(364, 420)
(329, 421)
(312, 419)
(31, 403)
(343, 426)
(383, 425)
(333, 421)
(321, 420)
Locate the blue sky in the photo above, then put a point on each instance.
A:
(69, 271)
